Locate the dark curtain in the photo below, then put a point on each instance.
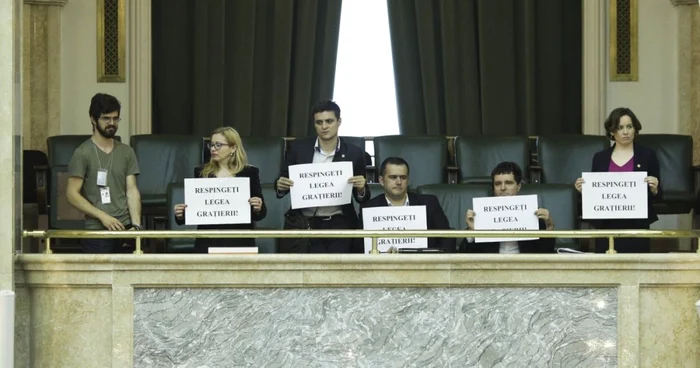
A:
(469, 67)
(256, 65)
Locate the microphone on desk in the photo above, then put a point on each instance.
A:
(697, 307)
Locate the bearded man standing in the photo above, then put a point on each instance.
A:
(102, 178)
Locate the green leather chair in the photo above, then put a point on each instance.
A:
(456, 199)
(374, 188)
(562, 158)
(175, 195)
(52, 180)
(360, 143)
(273, 221)
(478, 155)
(163, 159)
(276, 208)
(427, 156)
(562, 202)
(265, 153)
(678, 175)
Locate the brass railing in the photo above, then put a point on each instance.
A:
(47, 235)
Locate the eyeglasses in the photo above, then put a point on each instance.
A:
(217, 145)
(107, 119)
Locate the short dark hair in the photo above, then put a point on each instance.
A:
(325, 105)
(613, 121)
(508, 167)
(393, 161)
(103, 103)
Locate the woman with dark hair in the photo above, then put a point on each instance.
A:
(622, 126)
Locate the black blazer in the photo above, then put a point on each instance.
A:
(202, 244)
(434, 214)
(541, 245)
(644, 160)
(302, 152)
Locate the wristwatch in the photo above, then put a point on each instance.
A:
(137, 227)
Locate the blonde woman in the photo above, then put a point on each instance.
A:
(228, 159)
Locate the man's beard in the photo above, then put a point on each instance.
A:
(108, 132)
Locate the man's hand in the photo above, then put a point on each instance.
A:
(358, 182)
(283, 184)
(469, 219)
(111, 223)
(543, 214)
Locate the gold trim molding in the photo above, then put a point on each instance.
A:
(633, 74)
(103, 74)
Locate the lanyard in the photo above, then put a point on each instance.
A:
(109, 165)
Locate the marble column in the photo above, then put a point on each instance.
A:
(594, 70)
(139, 70)
(10, 138)
(41, 91)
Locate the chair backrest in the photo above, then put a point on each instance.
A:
(164, 159)
(562, 202)
(175, 195)
(564, 157)
(265, 153)
(60, 148)
(276, 208)
(478, 155)
(360, 143)
(456, 199)
(62, 215)
(426, 156)
(675, 154)
(30, 159)
(375, 189)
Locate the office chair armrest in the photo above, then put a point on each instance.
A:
(535, 174)
(41, 172)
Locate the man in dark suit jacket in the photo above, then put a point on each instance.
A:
(324, 148)
(393, 176)
(506, 178)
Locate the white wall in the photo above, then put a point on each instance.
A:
(79, 70)
(654, 98)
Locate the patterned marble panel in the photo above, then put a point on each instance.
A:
(376, 327)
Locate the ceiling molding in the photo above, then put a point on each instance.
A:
(684, 2)
(46, 2)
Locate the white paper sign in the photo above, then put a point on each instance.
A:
(320, 185)
(395, 218)
(505, 213)
(213, 201)
(614, 195)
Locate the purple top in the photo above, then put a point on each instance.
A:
(628, 166)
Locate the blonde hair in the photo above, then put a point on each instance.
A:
(236, 162)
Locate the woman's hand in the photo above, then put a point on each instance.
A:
(179, 210)
(256, 203)
(653, 183)
(579, 184)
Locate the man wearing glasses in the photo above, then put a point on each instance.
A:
(102, 178)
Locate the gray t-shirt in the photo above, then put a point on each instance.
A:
(87, 160)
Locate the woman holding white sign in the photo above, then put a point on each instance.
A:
(622, 126)
(228, 159)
